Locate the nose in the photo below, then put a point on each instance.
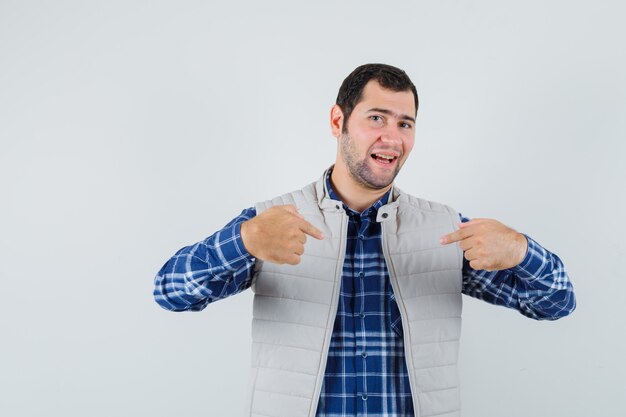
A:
(391, 136)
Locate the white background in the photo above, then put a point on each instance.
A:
(131, 129)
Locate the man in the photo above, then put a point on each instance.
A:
(357, 305)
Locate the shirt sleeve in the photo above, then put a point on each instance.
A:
(210, 270)
(539, 287)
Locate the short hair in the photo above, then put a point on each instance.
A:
(389, 77)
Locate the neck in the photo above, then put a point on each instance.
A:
(352, 193)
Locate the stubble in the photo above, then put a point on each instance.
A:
(360, 170)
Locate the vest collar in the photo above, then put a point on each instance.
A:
(326, 203)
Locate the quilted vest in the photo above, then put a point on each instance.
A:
(294, 306)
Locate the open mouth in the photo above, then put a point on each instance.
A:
(384, 159)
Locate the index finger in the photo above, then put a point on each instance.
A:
(310, 230)
(456, 236)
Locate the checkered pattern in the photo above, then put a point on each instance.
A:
(366, 373)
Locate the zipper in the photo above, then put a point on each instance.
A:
(331, 317)
(405, 325)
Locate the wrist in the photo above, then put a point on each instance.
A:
(523, 248)
(244, 232)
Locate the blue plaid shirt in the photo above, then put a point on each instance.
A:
(366, 372)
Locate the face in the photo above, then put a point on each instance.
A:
(380, 135)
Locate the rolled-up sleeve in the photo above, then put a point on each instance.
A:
(539, 287)
(210, 270)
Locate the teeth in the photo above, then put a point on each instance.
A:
(385, 156)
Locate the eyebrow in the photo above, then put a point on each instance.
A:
(390, 113)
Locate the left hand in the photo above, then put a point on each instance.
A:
(488, 244)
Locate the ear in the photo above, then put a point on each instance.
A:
(336, 120)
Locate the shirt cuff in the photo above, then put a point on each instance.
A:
(533, 262)
(233, 250)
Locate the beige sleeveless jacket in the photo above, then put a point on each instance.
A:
(295, 305)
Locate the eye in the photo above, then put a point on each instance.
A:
(406, 125)
(376, 118)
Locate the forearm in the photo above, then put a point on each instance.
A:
(539, 287)
(207, 271)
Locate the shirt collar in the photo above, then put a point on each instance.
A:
(372, 210)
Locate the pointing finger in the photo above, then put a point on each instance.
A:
(454, 237)
(311, 230)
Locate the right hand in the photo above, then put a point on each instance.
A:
(278, 235)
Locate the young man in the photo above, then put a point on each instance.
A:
(357, 306)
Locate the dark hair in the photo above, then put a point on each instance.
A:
(389, 77)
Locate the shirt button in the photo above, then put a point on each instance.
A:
(385, 215)
(364, 355)
(362, 315)
(364, 396)
(361, 237)
(361, 274)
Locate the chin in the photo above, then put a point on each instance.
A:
(376, 183)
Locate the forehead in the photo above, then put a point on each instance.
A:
(401, 102)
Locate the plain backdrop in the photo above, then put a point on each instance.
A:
(130, 129)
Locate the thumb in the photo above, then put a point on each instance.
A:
(293, 209)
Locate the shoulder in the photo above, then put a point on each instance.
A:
(302, 198)
(410, 202)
